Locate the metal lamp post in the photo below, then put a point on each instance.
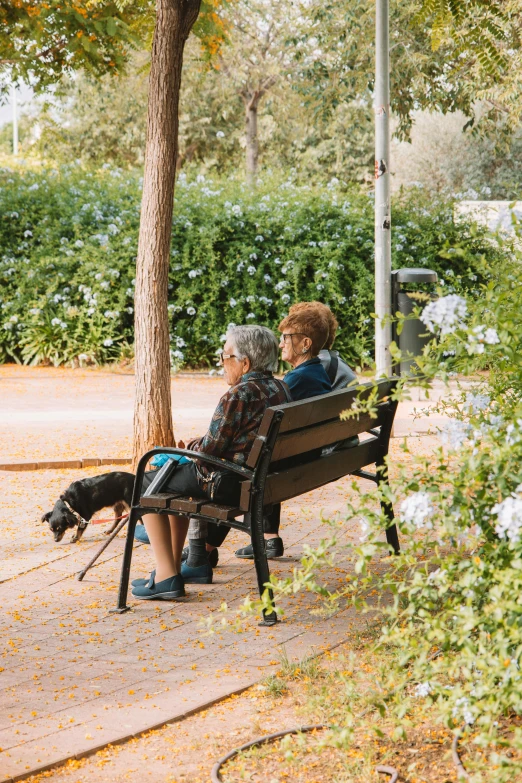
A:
(15, 120)
(383, 331)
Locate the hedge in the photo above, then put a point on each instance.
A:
(68, 243)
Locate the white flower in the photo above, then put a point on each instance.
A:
(177, 355)
(236, 209)
(194, 273)
(423, 689)
(220, 135)
(417, 510)
(233, 302)
(35, 311)
(82, 357)
(105, 285)
(259, 238)
(365, 528)
(250, 316)
(191, 311)
(251, 270)
(445, 314)
(56, 322)
(478, 337)
(509, 514)
(78, 243)
(454, 434)
(28, 233)
(107, 343)
(285, 298)
(462, 705)
(34, 187)
(477, 402)
(491, 337)
(267, 279)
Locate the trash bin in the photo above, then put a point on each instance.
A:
(413, 337)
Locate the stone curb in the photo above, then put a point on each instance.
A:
(70, 463)
(126, 737)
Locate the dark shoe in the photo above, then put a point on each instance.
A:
(141, 535)
(213, 556)
(198, 575)
(274, 548)
(141, 582)
(170, 588)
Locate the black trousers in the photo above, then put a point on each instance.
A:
(184, 480)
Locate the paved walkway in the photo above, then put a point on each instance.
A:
(74, 677)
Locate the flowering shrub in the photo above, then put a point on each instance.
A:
(455, 614)
(68, 244)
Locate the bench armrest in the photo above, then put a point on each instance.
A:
(217, 462)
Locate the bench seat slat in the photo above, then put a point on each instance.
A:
(186, 505)
(160, 500)
(218, 511)
(296, 481)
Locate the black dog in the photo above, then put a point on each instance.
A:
(85, 497)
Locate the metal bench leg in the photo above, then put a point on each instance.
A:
(261, 562)
(392, 535)
(126, 564)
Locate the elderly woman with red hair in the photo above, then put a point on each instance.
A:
(304, 332)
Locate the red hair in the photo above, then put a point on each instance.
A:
(309, 321)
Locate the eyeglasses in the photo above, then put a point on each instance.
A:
(223, 356)
(291, 334)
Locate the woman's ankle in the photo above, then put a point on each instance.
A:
(162, 575)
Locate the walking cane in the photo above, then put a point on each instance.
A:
(103, 547)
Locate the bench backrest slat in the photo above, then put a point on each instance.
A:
(315, 410)
(295, 481)
(314, 423)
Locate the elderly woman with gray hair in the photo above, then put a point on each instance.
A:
(249, 357)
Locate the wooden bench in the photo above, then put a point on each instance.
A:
(288, 458)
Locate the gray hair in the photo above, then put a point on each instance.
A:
(256, 343)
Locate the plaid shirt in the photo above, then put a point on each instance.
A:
(237, 417)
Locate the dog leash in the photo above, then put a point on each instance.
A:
(111, 519)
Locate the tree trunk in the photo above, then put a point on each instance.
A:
(252, 144)
(153, 407)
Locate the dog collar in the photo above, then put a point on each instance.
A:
(81, 521)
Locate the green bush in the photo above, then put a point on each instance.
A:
(450, 603)
(68, 243)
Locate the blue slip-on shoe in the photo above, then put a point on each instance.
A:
(199, 575)
(141, 535)
(141, 582)
(168, 589)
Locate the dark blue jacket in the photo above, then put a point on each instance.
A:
(308, 380)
